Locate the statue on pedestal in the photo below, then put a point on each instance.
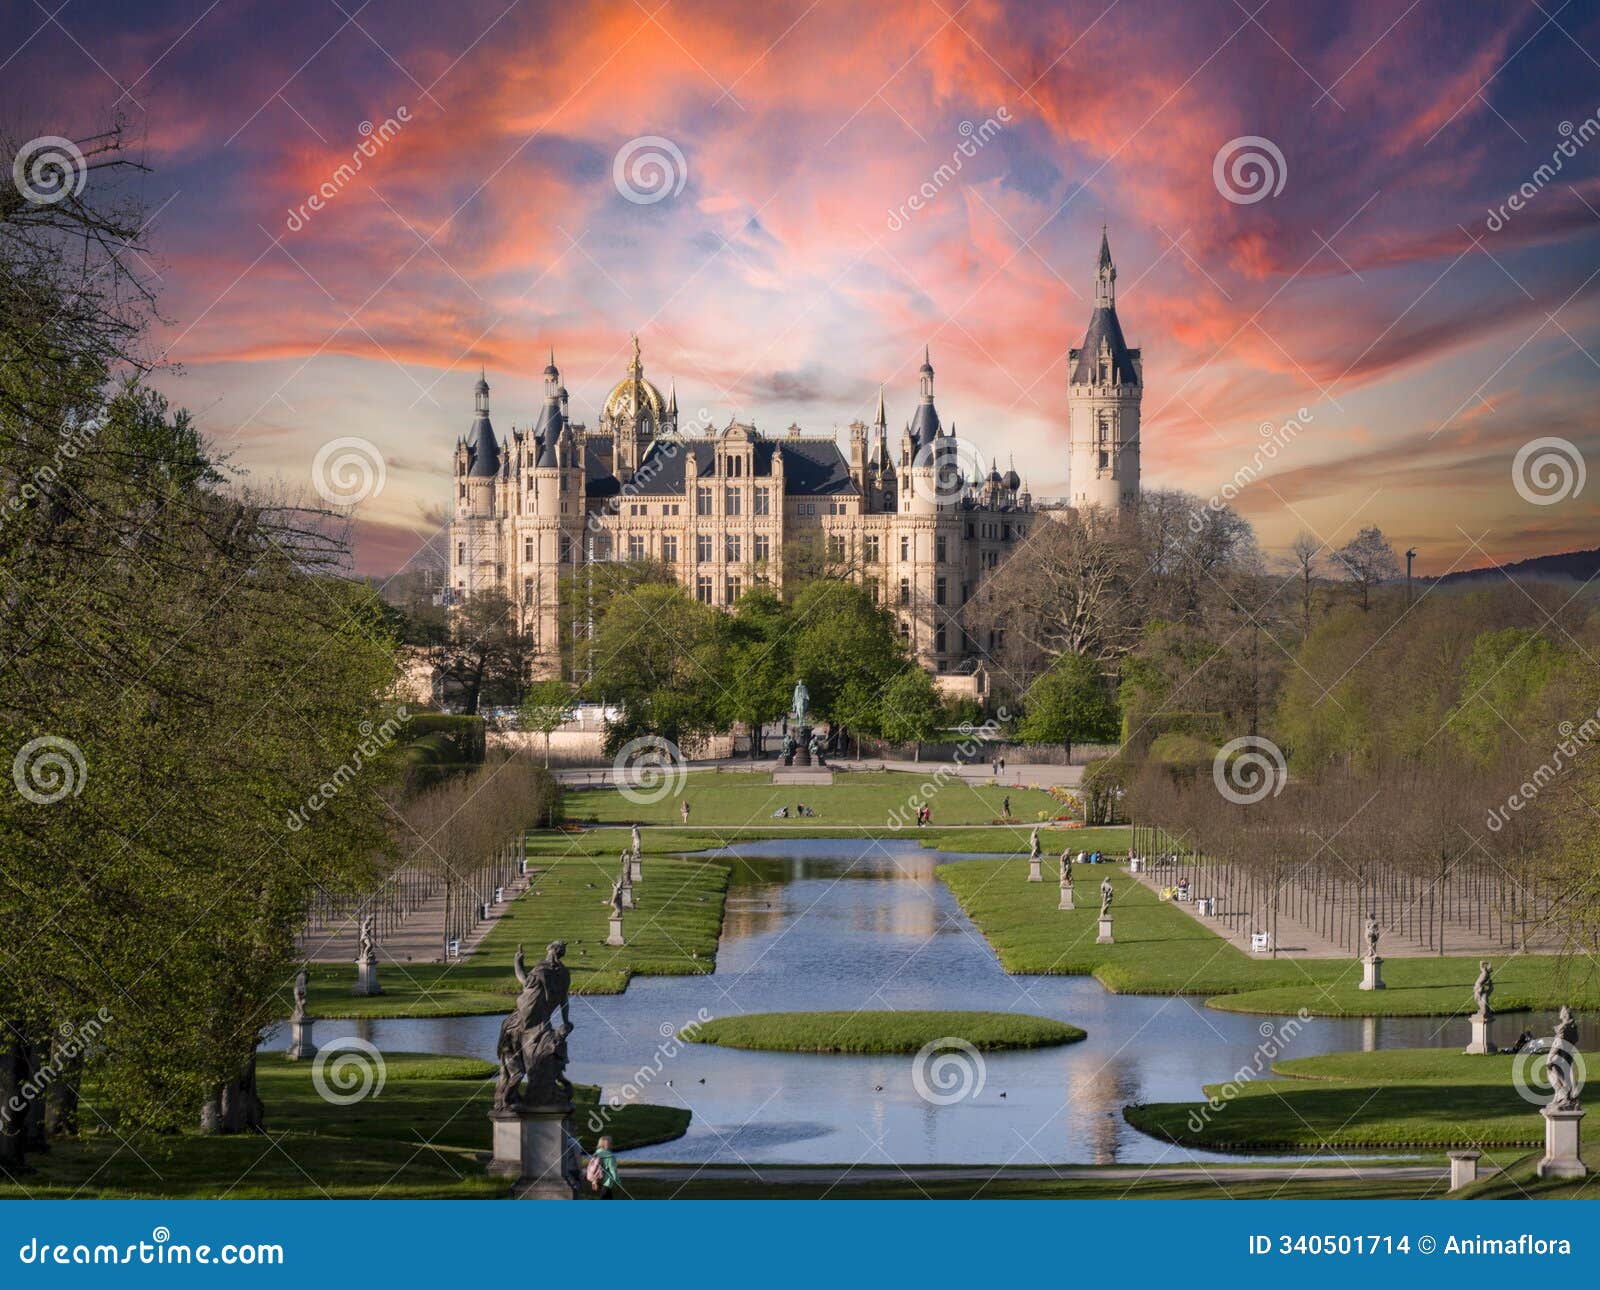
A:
(532, 1048)
(299, 1013)
(1107, 892)
(1066, 872)
(1372, 936)
(367, 943)
(1483, 988)
(802, 702)
(1564, 1088)
(1033, 845)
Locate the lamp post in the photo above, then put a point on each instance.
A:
(1411, 554)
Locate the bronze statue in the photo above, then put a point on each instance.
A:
(1106, 894)
(802, 700)
(532, 1048)
(1482, 988)
(1558, 1066)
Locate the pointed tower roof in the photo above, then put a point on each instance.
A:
(482, 447)
(924, 425)
(881, 420)
(1105, 331)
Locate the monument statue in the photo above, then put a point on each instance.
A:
(1564, 1088)
(1033, 845)
(1372, 936)
(299, 994)
(802, 702)
(616, 899)
(532, 1048)
(367, 945)
(1106, 894)
(1483, 988)
(635, 839)
(1066, 871)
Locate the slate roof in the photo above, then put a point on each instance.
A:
(483, 452)
(1103, 326)
(811, 467)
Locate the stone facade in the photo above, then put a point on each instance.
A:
(913, 514)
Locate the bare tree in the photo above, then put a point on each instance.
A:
(1368, 561)
(1307, 551)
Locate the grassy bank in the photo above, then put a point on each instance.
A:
(424, 1133)
(881, 1032)
(1160, 949)
(1395, 1098)
(673, 931)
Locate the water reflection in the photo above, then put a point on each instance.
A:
(819, 924)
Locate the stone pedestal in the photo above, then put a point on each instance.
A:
(1480, 1036)
(802, 746)
(1463, 1168)
(1034, 873)
(615, 937)
(1105, 933)
(533, 1146)
(300, 1046)
(1066, 899)
(635, 870)
(1561, 1158)
(367, 979)
(1372, 973)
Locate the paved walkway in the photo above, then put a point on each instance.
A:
(418, 939)
(850, 1175)
(1015, 776)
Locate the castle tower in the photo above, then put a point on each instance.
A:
(1105, 384)
(474, 533)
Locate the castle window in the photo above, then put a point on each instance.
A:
(730, 501)
(527, 549)
(566, 549)
(702, 548)
(731, 549)
(939, 593)
(669, 549)
(463, 492)
(905, 591)
(905, 548)
(836, 551)
(938, 641)
(941, 551)
(527, 591)
(702, 589)
(702, 501)
(763, 547)
(905, 630)
(872, 589)
(763, 502)
(969, 533)
(461, 552)
(735, 589)
(636, 546)
(869, 549)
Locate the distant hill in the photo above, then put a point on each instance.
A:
(1578, 566)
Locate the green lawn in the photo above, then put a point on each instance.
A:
(1519, 1180)
(1160, 949)
(424, 1134)
(673, 931)
(865, 799)
(880, 1032)
(1340, 1101)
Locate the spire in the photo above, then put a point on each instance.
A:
(480, 394)
(672, 399)
(881, 420)
(1105, 275)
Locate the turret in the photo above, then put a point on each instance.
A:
(1105, 387)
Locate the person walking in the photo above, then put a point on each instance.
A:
(602, 1170)
(1005, 806)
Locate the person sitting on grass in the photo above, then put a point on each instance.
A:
(782, 813)
(602, 1170)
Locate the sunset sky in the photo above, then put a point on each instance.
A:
(1427, 329)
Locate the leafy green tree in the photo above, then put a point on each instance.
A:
(587, 594)
(911, 708)
(1071, 703)
(545, 705)
(841, 638)
(755, 668)
(485, 653)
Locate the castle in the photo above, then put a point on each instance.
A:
(912, 516)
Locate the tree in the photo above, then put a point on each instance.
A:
(911, 709)
(1368, 561)
(1071, 703)
(544, 709)
(755, 663)
(1307, 550)
(586, 594)
(841, 638)
(485, 653)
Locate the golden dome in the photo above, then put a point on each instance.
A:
(634, 397)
